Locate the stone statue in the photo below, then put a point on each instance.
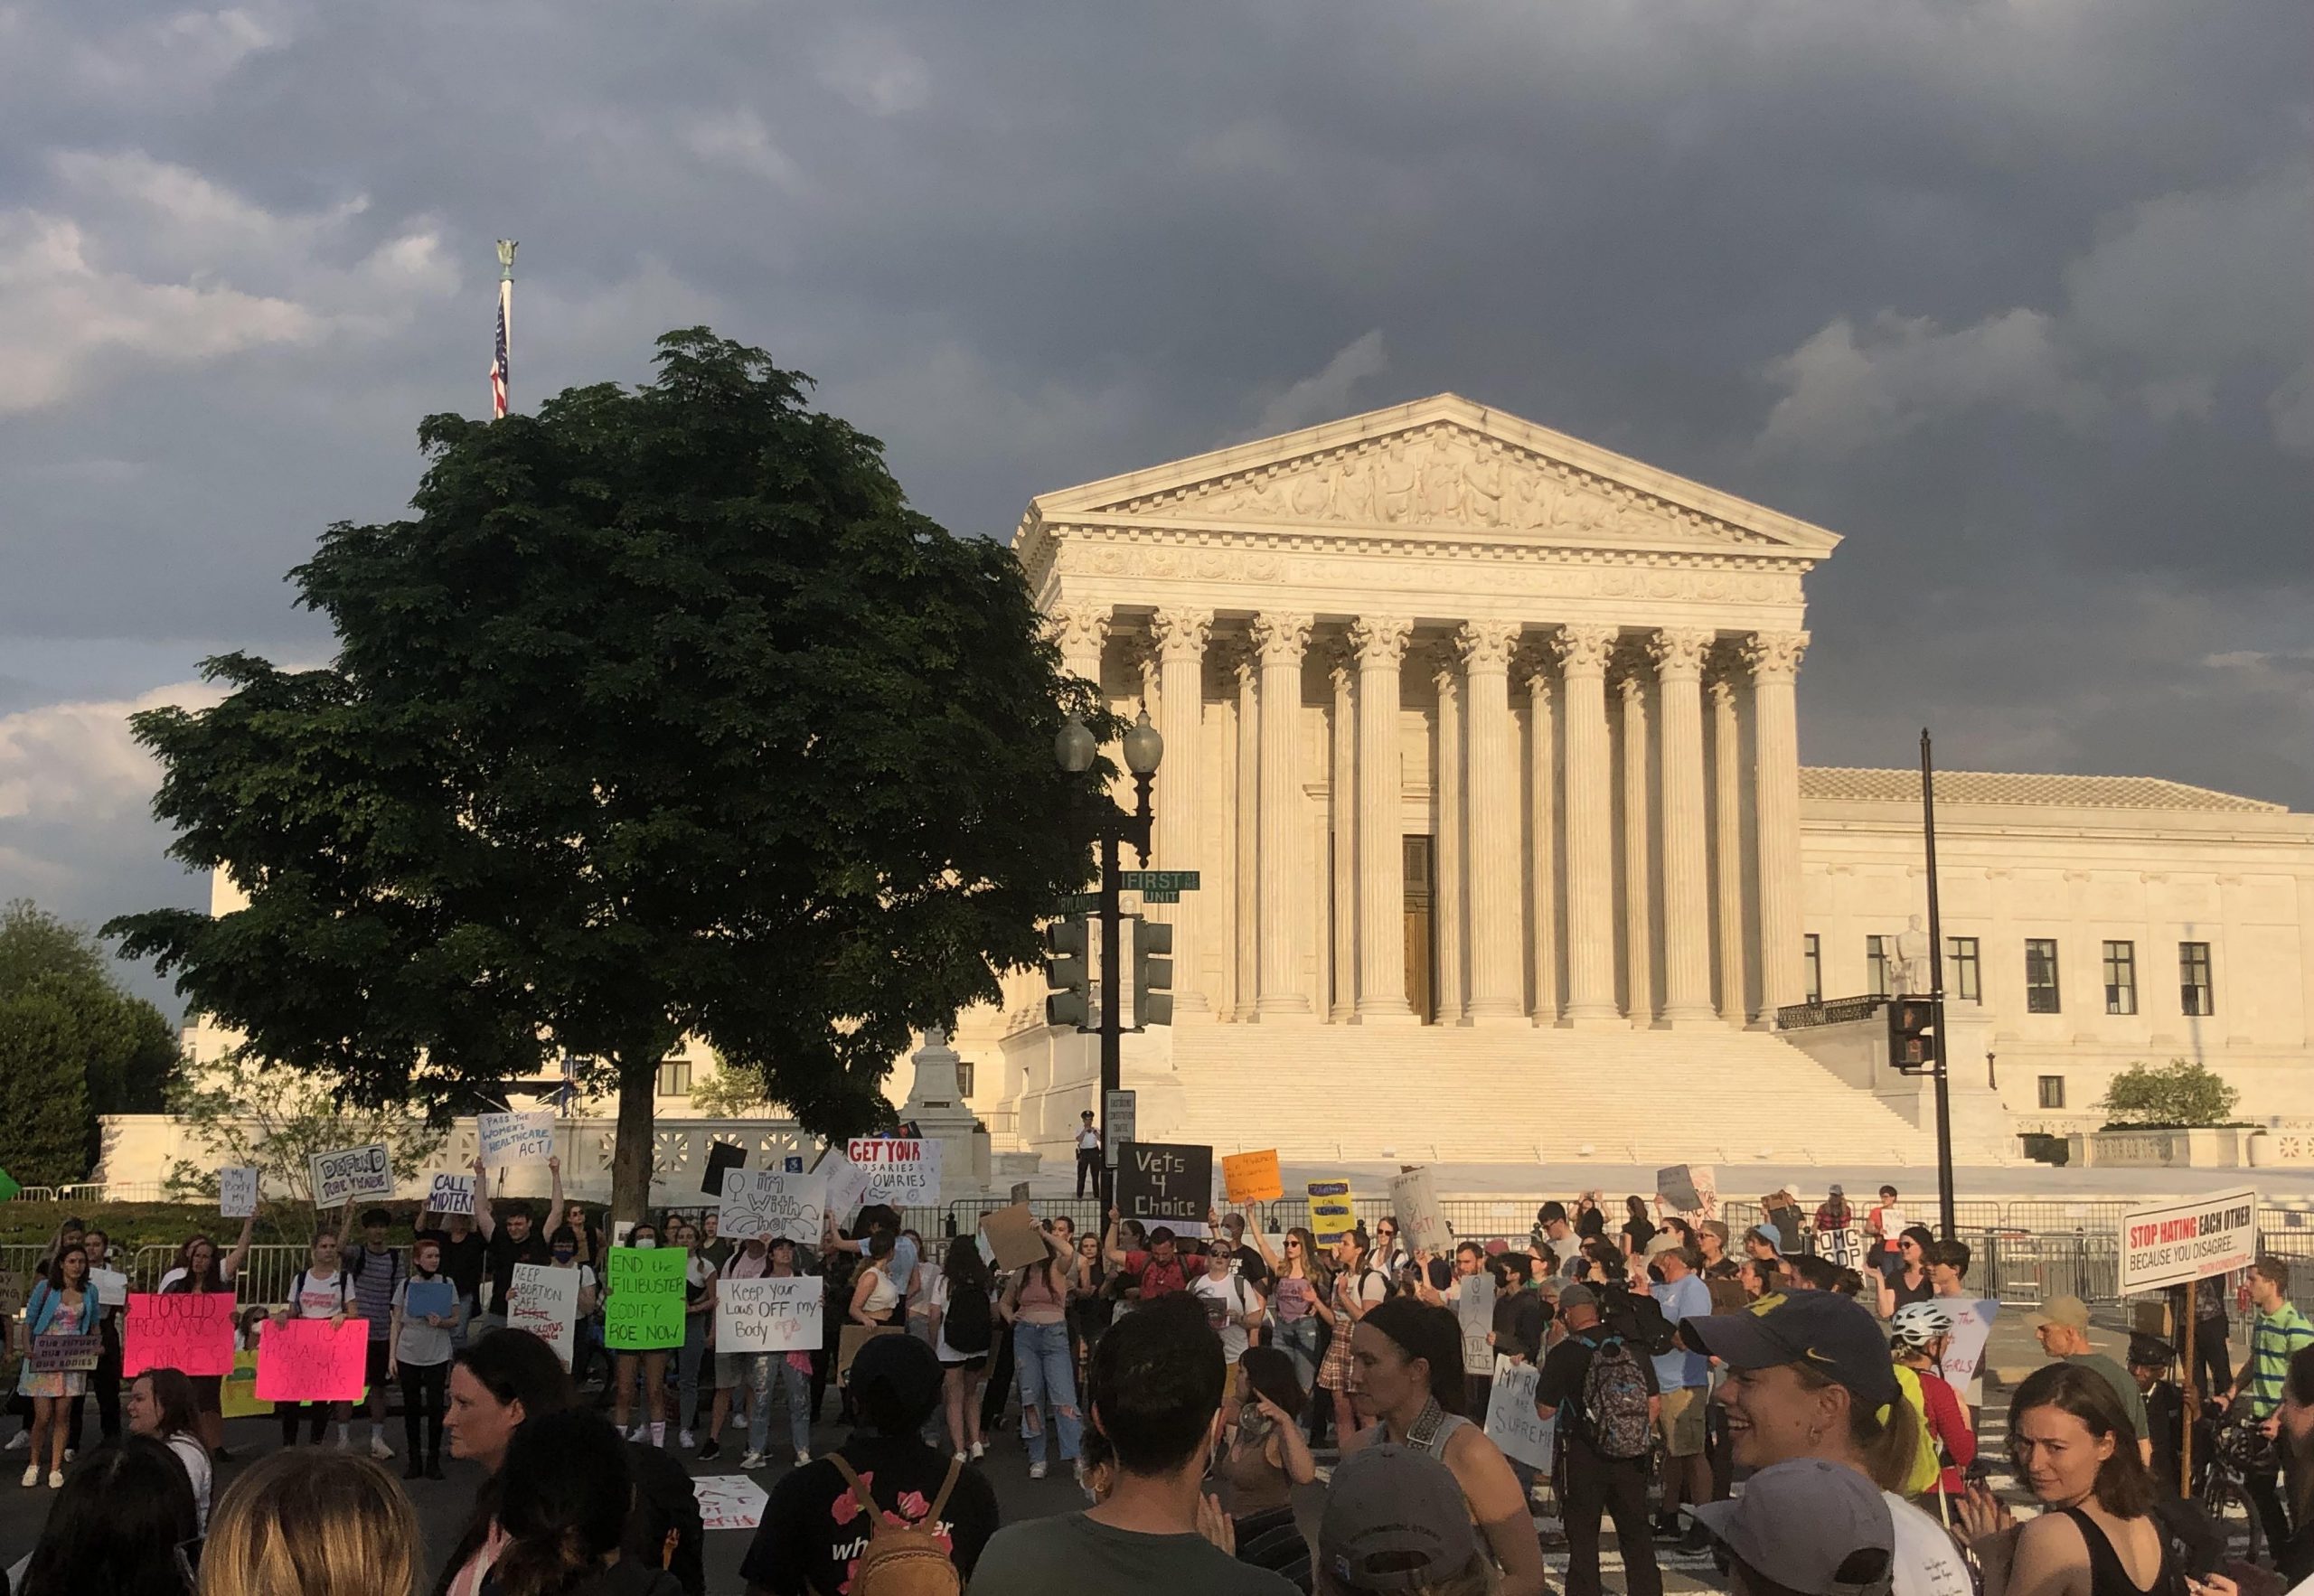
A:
(1908, 971)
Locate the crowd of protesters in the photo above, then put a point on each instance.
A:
(1245, 1414)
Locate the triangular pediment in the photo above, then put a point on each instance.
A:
(1442, 464)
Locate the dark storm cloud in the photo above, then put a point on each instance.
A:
(2008, 295)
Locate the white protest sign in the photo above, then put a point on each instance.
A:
(525, 1137)
(236, 1193)
(2176, 1244)
(903, 1170)
(544, 1300)
(847, 1186)
(729, 1501)
(112, 1287)
(1474, 1306)
(1511, 1421)
(451, 1194)
(771, 1313)
(1965, 1353)
(354, 1172)
(771, 1202)
(1422, 1223)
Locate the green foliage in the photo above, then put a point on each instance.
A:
(665, 716)
(2179, 1094)
(72, 1042)
(731, 1091)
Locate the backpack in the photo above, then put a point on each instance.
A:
(902, 1559)
(1614, 1401)
(344, 1299)
(1389, 1286)
(967, 1325)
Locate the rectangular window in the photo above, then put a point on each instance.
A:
(963, 1077)
(2041, 975)
(2120, 977)
(2052, 1091)
(2196, 993)
(1876, 967)
(1811, 965)
(1967, 979)
(674, 1078)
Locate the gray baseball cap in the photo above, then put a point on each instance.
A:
(1812, 1527)
(1576, 1294)
(1395, 1520)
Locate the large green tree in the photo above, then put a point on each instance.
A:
(666, 715)
(73, 1045)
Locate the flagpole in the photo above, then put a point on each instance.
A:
(504, 359)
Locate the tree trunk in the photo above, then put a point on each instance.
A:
(631, 1161)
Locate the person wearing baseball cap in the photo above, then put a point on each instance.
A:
(2063, 1328)
(1806, 1527)
(1811, 1378)
(1396, 1521)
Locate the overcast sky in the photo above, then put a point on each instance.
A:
(2013, 297)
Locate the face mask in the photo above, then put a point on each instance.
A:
(646, 1241)
(566, 1257)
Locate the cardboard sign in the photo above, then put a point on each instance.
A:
(2176, 1244)
(422, 1297)
(339, 1177)
(855, 1338)
(544, 1300)
(643, 1310)
(902, 1171)
(65, 1355)
(771, 1202)
(1159, 1183)
(1965, 1353)
(524, 1138)
(112, 1287)
(1512, 1421)
(1020, 1191)
(236, 1193)
(451, 1194)
(1676, 1186)
(189, 1331)
(1010, 1237)
(722, 1157)
(1252, 1177)
(1332, 1214)
(771, 1313)
(312, 1360)
(1120, 1121)
(1474, 1307)
(729, 1501)
(1422, 1223)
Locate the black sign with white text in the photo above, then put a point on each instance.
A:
(1159, 1183)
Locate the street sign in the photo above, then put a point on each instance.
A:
(1174, 881)
(1081, 903)
(1117, 1114)
(1150, 895)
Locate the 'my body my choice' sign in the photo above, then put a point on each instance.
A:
(2179, 1243)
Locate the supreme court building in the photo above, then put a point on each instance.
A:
(1484, 741)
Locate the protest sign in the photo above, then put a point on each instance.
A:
(771, 1202)
(112, 1287)
(1512, 1421)
(1964, 1354)
(237, 1392)
(847, 1185)
(770, 1313)
(236, 1193)
(853, 1338)
(2176, 1244)
(65, 1355)
(1253, 1177)
(1474, 1307)
(902, 1171)
(436, 1297)
(729, 1501)
(1331, 1215)
(1012, 1238)
(642, 1310)
(1159, 1183)
(1422, 1223)
(524, 1138)
(1676, 1186)
(312, 1360)
(353, 1172)
(192, 1331)
(722, 1157)
(1020, 1191)
(544, 1300)
(451, 1194)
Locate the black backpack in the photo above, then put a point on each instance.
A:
(1638, 1317)
(969, 1325)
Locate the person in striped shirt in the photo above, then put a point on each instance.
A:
(2276, 1334)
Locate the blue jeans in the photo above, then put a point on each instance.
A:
(766, 1368)
(687, 1361)
(1047, 1380)
(1298, 1339)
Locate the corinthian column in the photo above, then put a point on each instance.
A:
(1081, 632)
(1774, 659)
(1639, 907)
(1686, 891)
(1245, 675)
(1727, 841)
(1451, 838)
(1491, 803)
(1341, 781)
(1583, 652)
(1280, 639)
(1543, 881)
(1180, 637)
(1381, 643)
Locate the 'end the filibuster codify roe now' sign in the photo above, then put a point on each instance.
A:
(2178, 1244)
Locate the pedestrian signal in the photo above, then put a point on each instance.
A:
(1911, 1034)
(1069, 973)
(1153, 974)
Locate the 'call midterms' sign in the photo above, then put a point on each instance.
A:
(2179, 1243)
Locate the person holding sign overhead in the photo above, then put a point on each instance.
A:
(515, 1240)
(62, 1303)
(200, 1272)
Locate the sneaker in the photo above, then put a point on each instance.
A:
(71, 1452)
(18, 1441)
(56, 1479)
(379, 1449)
(979, 1451)
(1036, 1470)
(755, 1460)
(960, 1458)
(712, 1450)
(684, 1440)
(739, 1421)
(640, 1432)
(32, 1474)
(802, 1458)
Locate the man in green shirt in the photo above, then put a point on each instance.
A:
(2276, 1335)
(2063, 1325)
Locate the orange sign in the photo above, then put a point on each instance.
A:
(1252, 1177)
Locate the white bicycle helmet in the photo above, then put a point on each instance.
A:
(1916, 1324)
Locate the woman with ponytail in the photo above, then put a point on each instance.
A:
(566, 1485)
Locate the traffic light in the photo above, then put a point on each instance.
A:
(1069, 973)
(1153, 973)
(1911, 1034)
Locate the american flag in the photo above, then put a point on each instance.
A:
(498, 360)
